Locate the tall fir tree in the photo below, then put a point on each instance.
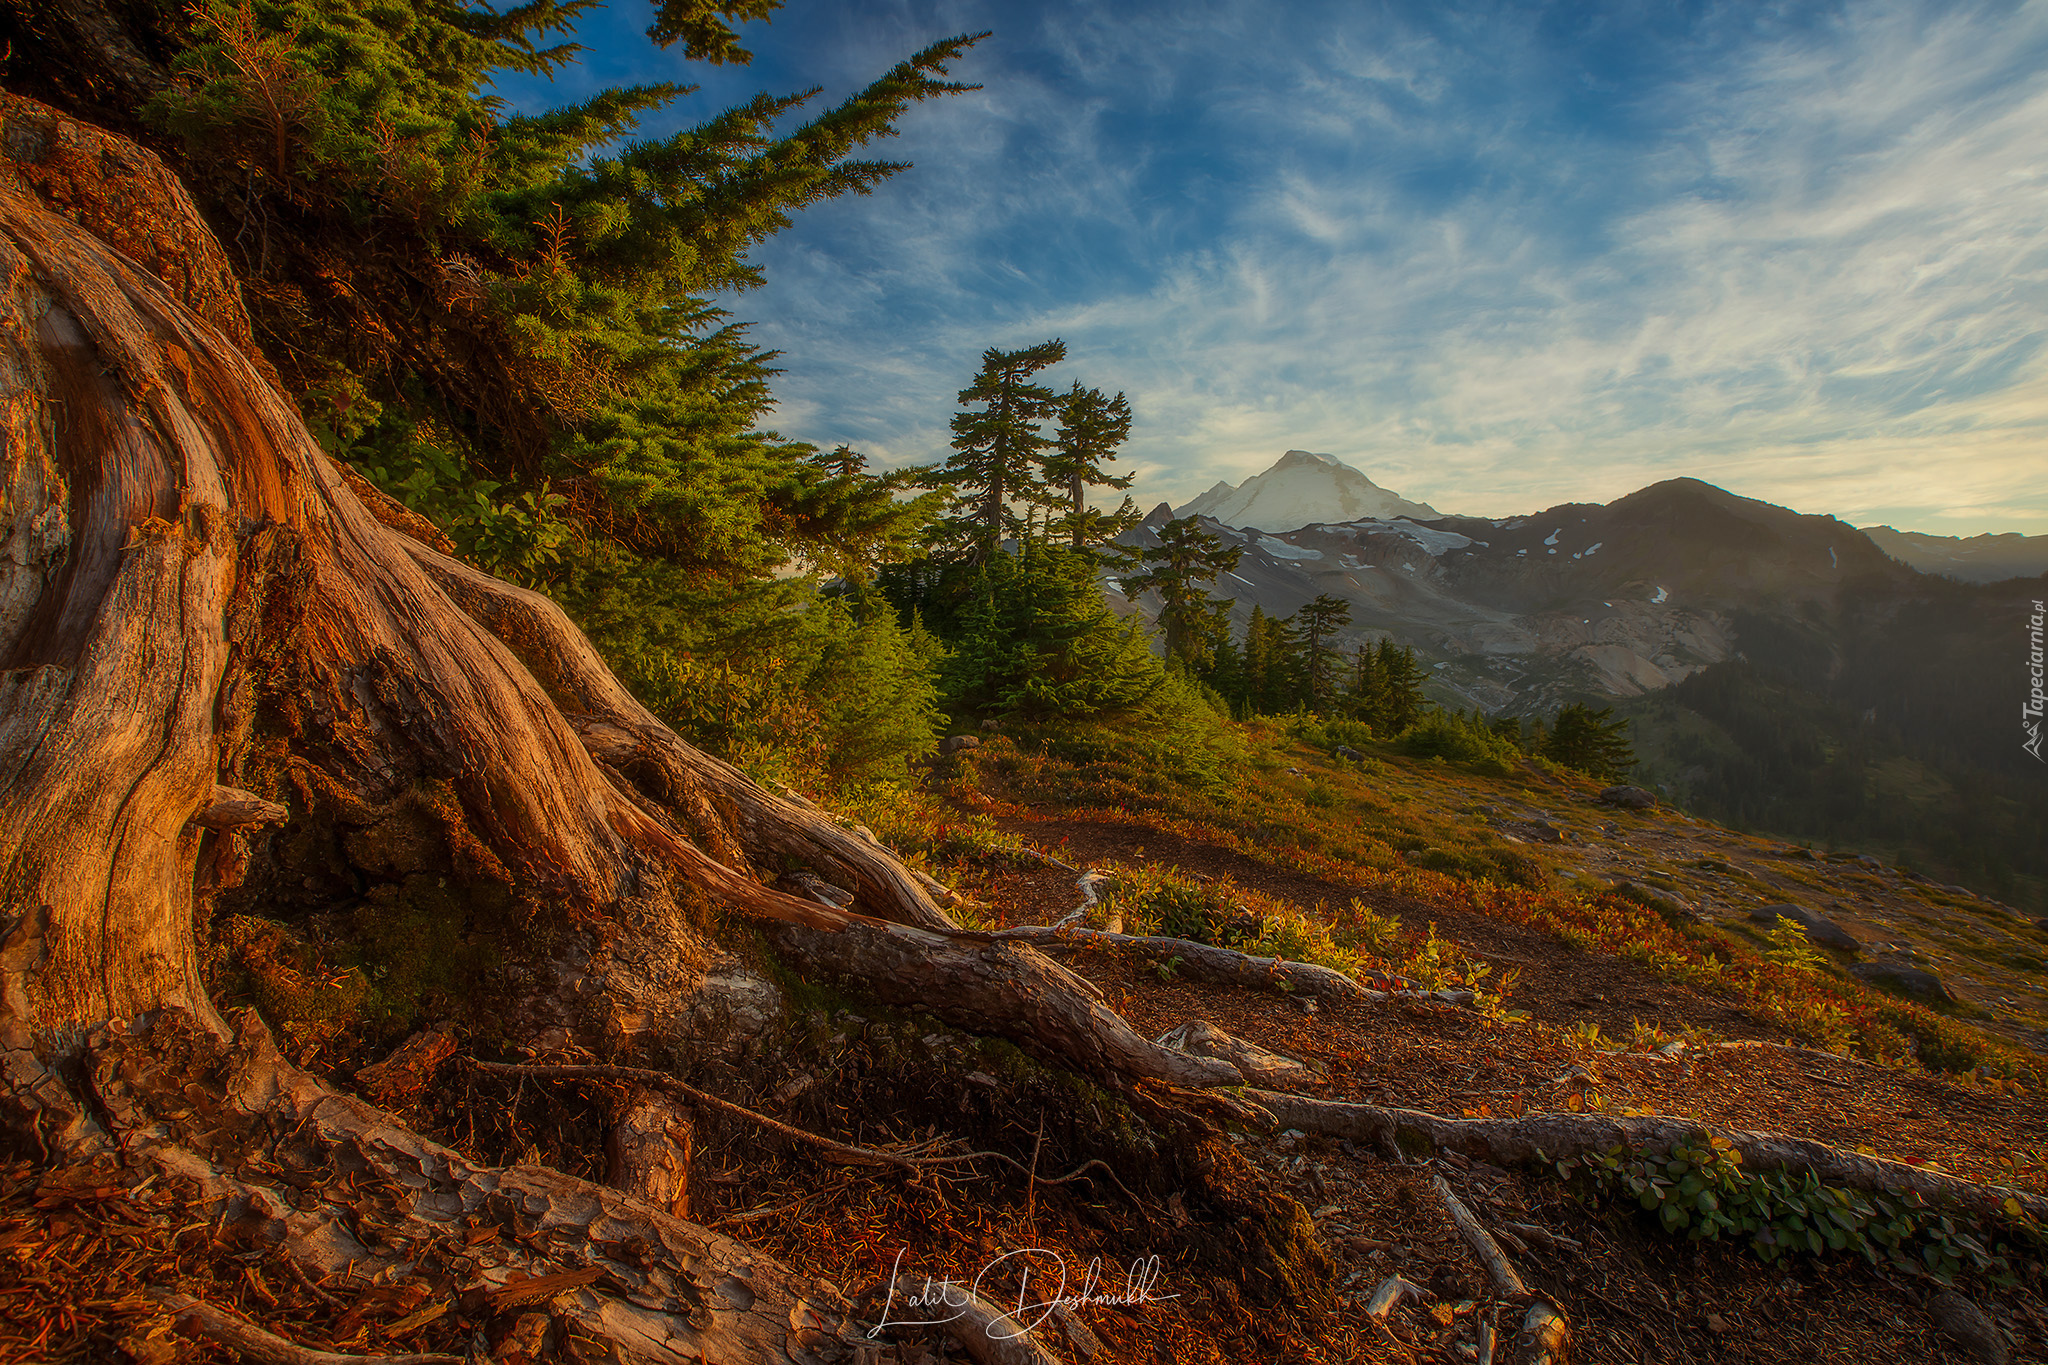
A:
(1590, 741)
(1317, 624)
(1091, 427)
(1186, 559)
(997, 444)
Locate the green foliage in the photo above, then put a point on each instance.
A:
(1035, 640)
(1091, 427)
(1385, 687)
(1317, 623)
(502, 319)
(834, 691)
(1790, 947)
(1154, 900)
(1177, 568)
(1591, 742)
(1702, 1189)
(1465, 738)
(997, 449)
(1329, 734)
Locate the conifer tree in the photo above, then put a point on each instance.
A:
(1091, 427)
(1591, 741)
(503, 320)
(1186, 558)
(996, 449)
(1036, 639)
(1402, 680)
(1258, 662)
(1317, 623)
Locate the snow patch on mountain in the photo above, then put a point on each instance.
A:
(1280, 549)
(1430, 539)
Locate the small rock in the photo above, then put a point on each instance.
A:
(1963, 1321)
(1717, 1324)
(953, 744)
(1346, 751)
(1628, 798)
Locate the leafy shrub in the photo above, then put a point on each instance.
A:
(1701, 1189)
(1466, 739)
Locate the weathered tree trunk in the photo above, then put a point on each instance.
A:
(180, 552)
(207, 626)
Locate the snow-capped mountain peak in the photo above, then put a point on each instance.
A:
(1301, 489)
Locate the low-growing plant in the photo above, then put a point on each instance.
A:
(1790, 947)
(1700, 1188)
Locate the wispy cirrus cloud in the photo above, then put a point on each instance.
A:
(1497, 257)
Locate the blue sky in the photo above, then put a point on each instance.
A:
(1498, 256)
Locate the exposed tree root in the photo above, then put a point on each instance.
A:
(254, 1343)
(998, 988)
(1198, 961)
(1257, 1065)
(1519, 1141)
(383, 1201)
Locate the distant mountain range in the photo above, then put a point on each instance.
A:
(1977, 559)
(1784, 669)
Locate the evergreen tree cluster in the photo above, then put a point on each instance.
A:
(1005, 466)
(510, 321)
(1291, 663)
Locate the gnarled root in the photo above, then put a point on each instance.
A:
(491, 1242)
(1519, 1141)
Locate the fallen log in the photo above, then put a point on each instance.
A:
(1525, 1141)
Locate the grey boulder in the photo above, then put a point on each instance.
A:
(1819, 928)
(1906, 979)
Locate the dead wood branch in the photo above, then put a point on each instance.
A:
(1392, 1290)
(1506, 1282)
(1257, 1065)
(253, 1343)
(1520, 1141)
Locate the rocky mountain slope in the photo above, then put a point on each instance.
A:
(1782, 669)
(1968, 559)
